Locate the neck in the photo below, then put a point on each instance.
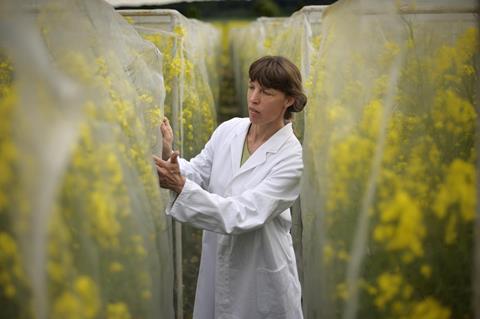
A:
(260, 133)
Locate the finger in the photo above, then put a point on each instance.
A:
(162, 163)
(161, 170)
(174, 157)
(165, 123)
(156, 158)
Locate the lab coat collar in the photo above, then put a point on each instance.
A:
(272, 145)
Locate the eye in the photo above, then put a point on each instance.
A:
(267, 92)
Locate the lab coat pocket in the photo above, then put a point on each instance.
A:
(274, 291)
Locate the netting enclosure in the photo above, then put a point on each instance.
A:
(82, 229)
(389, 194)
(191, 50)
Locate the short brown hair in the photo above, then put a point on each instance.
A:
(279, 73)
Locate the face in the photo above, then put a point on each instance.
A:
(266, 106)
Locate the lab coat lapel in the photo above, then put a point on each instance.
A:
(272, 145)
(236, 146)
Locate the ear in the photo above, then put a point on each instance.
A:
(289, 102)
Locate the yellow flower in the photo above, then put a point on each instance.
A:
(391, 50)
(8, 247)
(155, 116)
(76, 63)
(328, 253)
(454, 113)
(451, 230)
(130, 20)
(140, 250)
(267, 43)
(404, 215)
(430, 308)
(118, 310)
(116, 267)
(372, 117)
(88, 295)
(179, 30)
(105, 225)
(383, 232)
(67, 306)
(457, 57)
(10, 291)
(388, 287)
(176, 67)
(146, 98)
(10, 265)
(457, 190)
(426, 271)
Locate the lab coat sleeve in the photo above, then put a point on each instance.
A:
(198, 168)
(245, 212)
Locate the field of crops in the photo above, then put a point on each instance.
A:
(385, 225)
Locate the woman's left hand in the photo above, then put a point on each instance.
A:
(169, 173)
(167, 139)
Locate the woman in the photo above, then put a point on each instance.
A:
(239, 190)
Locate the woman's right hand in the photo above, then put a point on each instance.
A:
(167, 134)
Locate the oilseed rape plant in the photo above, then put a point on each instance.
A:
(88, 240)
(390, 188)
(190, 82)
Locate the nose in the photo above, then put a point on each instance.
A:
(254, 95)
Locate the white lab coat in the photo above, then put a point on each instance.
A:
(248, 267)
